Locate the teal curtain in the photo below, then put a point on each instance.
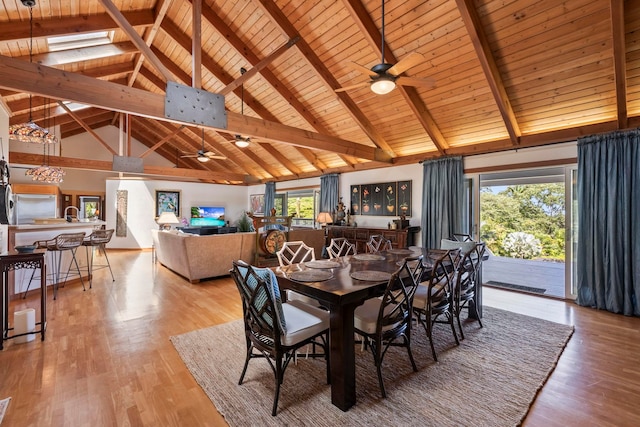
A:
(608, 258)
(269, 197)
(442, 199)
(329, 192)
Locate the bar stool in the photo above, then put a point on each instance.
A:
(98, 238)
(62, 242)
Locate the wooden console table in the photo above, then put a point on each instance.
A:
(360, 235)
(15, 261)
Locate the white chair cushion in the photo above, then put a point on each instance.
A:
(303, 321)
(465, 247)
(420, 297)
(366, 316)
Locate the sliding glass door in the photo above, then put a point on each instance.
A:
(526, 217)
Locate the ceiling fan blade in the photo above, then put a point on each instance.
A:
(356, 86)
(362, 69)
(427, 83)
(405, 63)
(212, 155)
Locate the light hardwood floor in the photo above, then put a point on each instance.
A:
(107, 359)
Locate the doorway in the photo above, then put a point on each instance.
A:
(526, 219)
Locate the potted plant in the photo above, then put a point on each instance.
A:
(244, 223)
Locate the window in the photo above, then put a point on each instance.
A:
(302, 204)
(77, 41)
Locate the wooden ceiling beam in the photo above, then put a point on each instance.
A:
(77, 130)
(312, 58)
(183, 40)
(619, 60)
(480, 43)
(60, 26)
(147, 134)
(258, 67)
(150, 36)
(373, 36)
(50, 82)
(16, 157)
(92, 120)
(196, 44)
(125, 26)
(161, 142)
(58, 115)
(87, 128)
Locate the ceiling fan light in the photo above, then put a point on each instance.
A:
(242, 143)
(382, 86)
(203, 159)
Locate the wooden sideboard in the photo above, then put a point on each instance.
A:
(360, 235)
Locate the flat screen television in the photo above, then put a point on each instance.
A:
(207, 216)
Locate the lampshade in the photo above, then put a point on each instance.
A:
(167, 218)
(203, 158)
(31, 132)
(324, 218)
(383, 85)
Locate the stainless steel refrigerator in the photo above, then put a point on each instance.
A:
(31, 206)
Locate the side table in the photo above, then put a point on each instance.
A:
(15, 261)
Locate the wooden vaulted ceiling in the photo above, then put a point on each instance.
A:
(507, 73)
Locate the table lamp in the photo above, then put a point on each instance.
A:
(166, 219)
(324, 218)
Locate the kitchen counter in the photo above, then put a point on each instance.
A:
(57, 225)
(27, 234)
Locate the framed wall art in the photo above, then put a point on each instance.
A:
(168, 201)
(256, 201)
(381, 199)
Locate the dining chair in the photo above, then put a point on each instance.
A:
(378, 243)
(275, 330)
(465, 287)
(296, 252)
(432, 302)
(386, 321)
(340, 246)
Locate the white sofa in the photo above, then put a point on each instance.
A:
(199, 257)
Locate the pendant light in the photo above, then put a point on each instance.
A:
(46, 173)
(242, 142)
(31, 132)
(383, 84)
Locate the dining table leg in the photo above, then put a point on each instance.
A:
(342, 356)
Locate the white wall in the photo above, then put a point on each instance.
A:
(141, 205)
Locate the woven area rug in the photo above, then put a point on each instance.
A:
(490, 379)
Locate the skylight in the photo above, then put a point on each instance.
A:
(76, 41)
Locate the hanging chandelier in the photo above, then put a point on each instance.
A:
(31, 132)
(46, 173)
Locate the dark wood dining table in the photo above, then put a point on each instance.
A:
(341, 294)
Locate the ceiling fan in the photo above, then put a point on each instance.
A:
(239, 140)
(204, 156)
(384, 77)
